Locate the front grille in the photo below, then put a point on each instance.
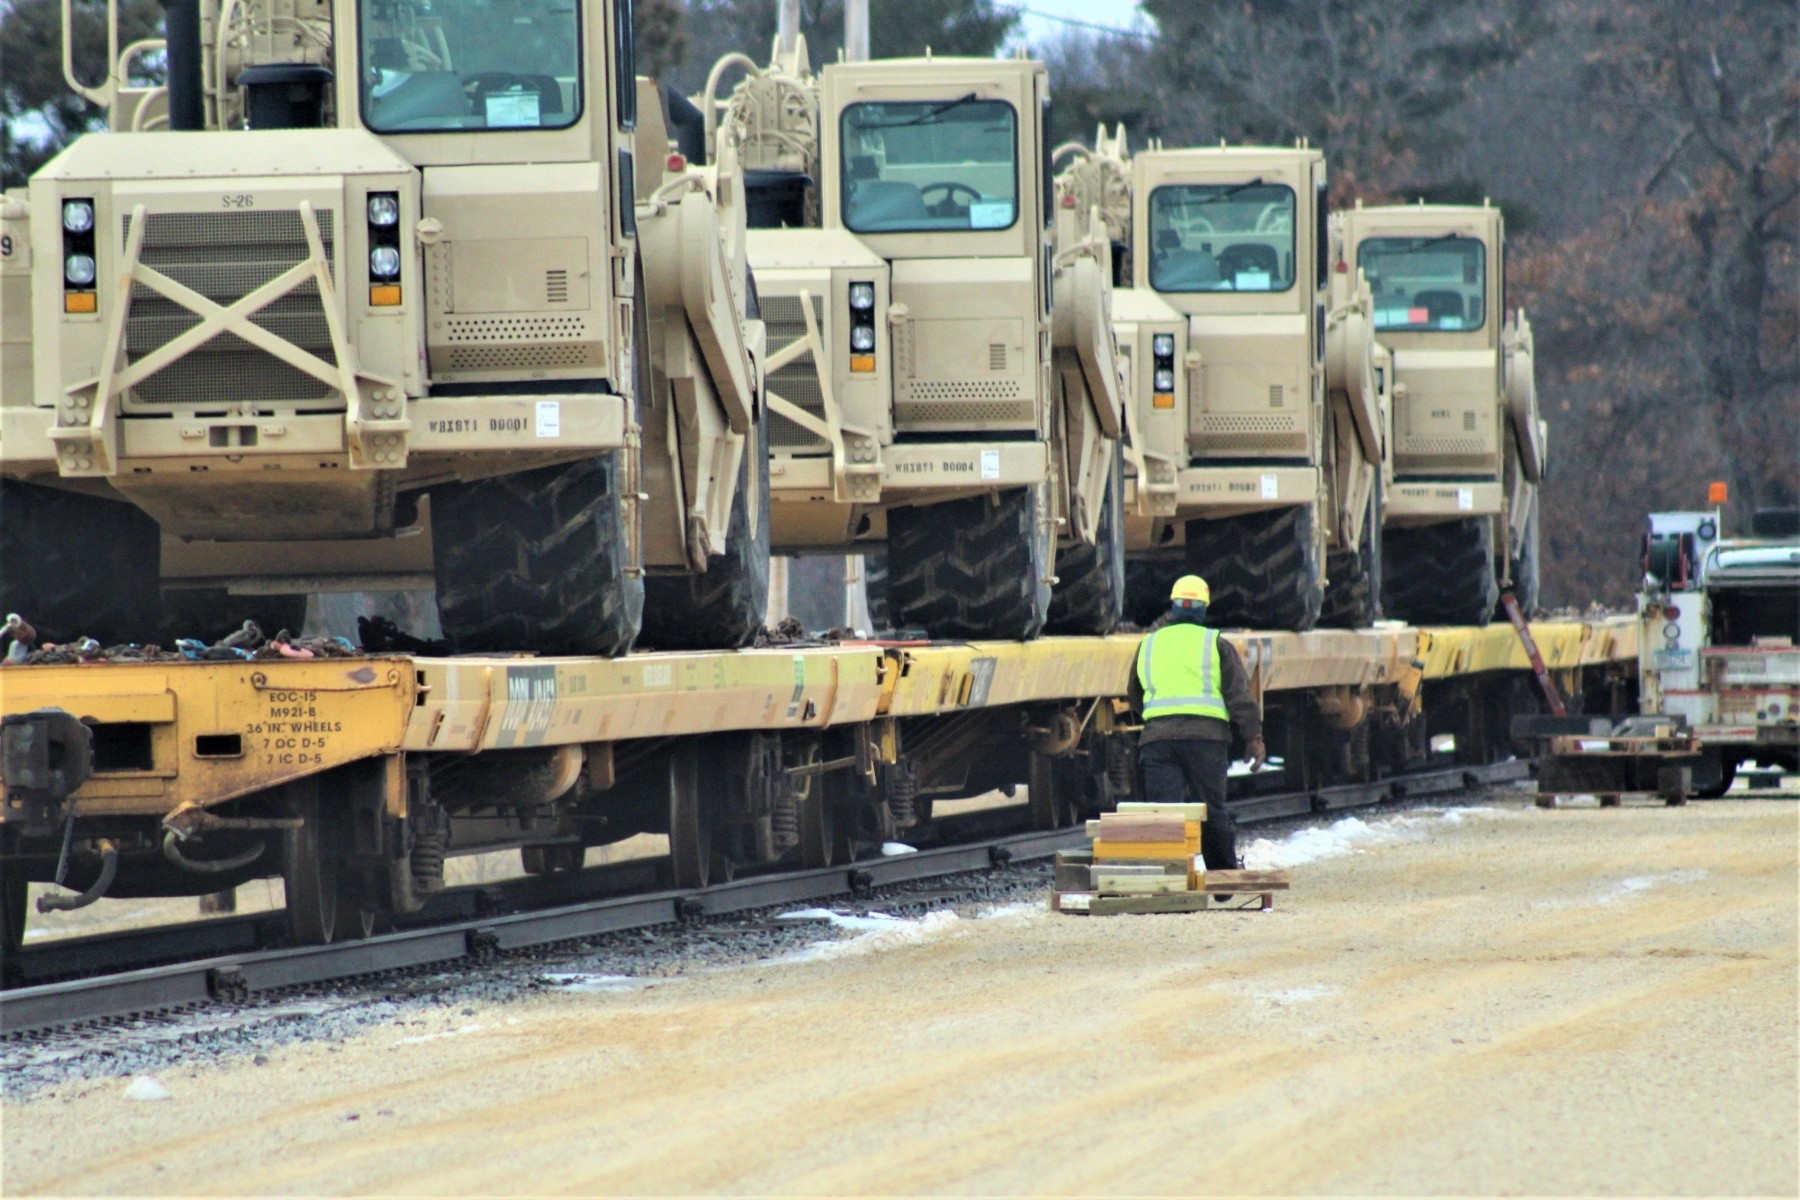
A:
(225, 256)
(798, 382)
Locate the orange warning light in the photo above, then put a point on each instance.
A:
(1717, 492)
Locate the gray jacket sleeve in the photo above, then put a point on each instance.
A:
(1245, 716)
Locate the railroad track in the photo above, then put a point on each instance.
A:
(220, 962)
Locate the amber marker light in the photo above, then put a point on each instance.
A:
(1717, 492)
(384, 295)
(80, 302)
(862, 364)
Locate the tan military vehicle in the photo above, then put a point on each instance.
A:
(1259, 417)
(942, 384)
(1469, 443)
(378, 294)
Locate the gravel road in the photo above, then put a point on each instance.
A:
(1479, 1001)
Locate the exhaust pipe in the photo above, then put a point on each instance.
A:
(187, 91)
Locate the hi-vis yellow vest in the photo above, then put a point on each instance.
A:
(1179, 668)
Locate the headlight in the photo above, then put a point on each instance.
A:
(78, 269)
(384, 210)
(862, 296)
(384, 262)
(862, 338)
(78, 215)
(1164, 380)
(1163, 345)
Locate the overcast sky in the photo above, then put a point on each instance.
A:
(1040, 15)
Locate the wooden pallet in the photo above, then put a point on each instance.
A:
(1256, 887)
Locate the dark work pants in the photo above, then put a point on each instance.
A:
(1188, 770)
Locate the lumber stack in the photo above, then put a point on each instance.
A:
(1145, 858)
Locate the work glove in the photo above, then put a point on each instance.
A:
(1258, 754)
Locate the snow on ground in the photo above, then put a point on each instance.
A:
(1352, 835)
(874, 931)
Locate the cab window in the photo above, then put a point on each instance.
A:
(1215, 237)
(944, 165)
(1426, 284)
(437, 65)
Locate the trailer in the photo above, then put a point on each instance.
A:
(353, 778)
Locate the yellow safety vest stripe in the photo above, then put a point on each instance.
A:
(1181, 673)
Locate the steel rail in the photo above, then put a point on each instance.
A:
(235, 975)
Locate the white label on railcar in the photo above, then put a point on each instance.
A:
(1270, 489)
(1465, 499)
(549, 418)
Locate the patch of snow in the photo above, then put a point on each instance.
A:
(1624, 889)
(146, 1087)
(875, 932)
(585, 981)
(1299, 995)
(1007, 912)
(1351, 835)
(892, 848)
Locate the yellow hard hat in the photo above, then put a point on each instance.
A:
(1191, 588)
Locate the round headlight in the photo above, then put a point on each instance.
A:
(862, 296)
(862, 338)
(1164, 380)
(384, 211)
(1163, 344)
(78, 215)
(384, 262)
(78, 269)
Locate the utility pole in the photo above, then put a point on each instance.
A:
(788, 25)
(856, 30)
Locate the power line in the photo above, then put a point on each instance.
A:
(1077, 22)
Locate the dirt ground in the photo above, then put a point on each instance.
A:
(1514, 1001)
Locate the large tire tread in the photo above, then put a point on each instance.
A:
(1441, 574)
(971, 568)
(1089, 596)
(78, 566)
(1353, 578)
(1262, 568)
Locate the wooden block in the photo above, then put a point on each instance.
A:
(1074, 858)
(1166, 867)
(1143, 808)
(1247, 881)
(1071, 877)
(1179, 902)
(1070, 902)
(1139, 885)
(1106, 851)
(1142, 829)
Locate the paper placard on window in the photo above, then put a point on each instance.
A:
(1251, 281)
(990, 214)
(1465, 499)
(549, 418)
(1269, 489)
(990, 464)
(1450, 322)
(512, 110)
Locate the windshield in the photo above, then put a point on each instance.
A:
(1222, 237)
(942, 165)
(1427, 284)
(470, 64)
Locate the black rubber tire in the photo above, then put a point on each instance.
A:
(1523, 569)
(75, 565)
(724, 607)
(1728, 769)
(1441, 574)
(1147, 584)
(1353, 578)
(690, 820)
(536, 560)
(15, 892)
(210, 613)
(971, 568)
(1262, 568)
(1088, 598)
(875, 589)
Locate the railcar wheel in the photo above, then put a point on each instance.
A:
(816, 815)
(690, 821)
(309, 870)
(1046, 795)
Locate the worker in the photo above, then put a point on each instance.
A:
(1191, 687)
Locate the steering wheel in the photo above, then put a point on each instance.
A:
(951, 189)
(1269, 219)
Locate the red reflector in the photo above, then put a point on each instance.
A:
(1068, 200)
(1343, 268)
(677, 163)
(1671, 613)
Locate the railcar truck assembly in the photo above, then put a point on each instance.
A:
(379, 294)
